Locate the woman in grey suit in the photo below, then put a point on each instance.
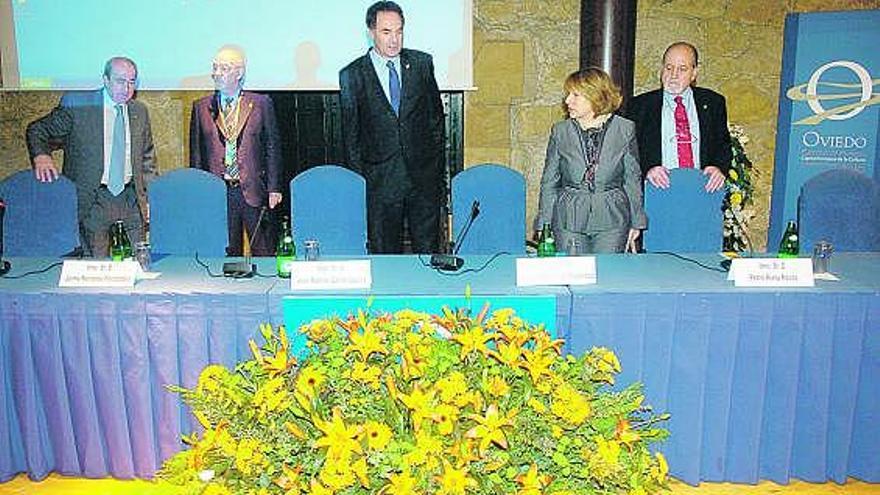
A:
(591, 191)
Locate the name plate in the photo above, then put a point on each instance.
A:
(89, 273)
(566, 270)
(772, 272)
(324, 275)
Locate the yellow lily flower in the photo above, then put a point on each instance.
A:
(454, 481)
(211, 378)
(400, 484)
(338, 438)
(248, 456)
(531, 482)
(626, 434)
(366, 343)
(543, 343)
(508, 353)
(537, 363)
(490, 427)
(337, 473)
(473, 340)
(419, 402)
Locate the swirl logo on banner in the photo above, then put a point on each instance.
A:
(828, 112)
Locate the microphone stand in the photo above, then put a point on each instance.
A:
(244, 269)
(452, 262)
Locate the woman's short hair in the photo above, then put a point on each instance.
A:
(597, 87)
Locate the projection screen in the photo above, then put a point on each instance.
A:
(290, 44)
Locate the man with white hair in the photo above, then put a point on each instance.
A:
(234, 135)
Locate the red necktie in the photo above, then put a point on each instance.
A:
(683, 135)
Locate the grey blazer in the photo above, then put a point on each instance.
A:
(78, 124)
(616, 203)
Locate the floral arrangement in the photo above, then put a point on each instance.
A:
(736, 205)
(413, 403)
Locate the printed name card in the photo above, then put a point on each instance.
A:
(324, 275)
(564, 270)
(89, 273)
(772, 272)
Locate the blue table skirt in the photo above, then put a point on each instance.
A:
(760, 386)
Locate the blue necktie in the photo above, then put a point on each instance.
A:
(393, 87)
(116, 178)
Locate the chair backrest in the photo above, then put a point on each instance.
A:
(841, 207)
(501, 224)
(188, 213)
(329, 204)
(683, 218)
(41, 217)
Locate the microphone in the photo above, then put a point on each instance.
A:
(4, 265)
(245, 269)
(452, 262)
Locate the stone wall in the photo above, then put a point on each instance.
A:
(523, 49)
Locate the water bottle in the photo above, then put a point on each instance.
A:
(546, 244)
(285, 252)
(120, 243)
(789, 247)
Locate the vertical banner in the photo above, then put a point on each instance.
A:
(828, 112)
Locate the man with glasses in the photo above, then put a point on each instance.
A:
(681, 125)
(234, 135)
(108, 154)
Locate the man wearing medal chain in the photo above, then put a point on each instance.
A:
(234, 134)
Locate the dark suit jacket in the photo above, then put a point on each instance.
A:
(646, 110)
(376, 140)
(78, 122)
(259, 145)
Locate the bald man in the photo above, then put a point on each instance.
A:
(681, 125)
(108, 154)
(234, 135)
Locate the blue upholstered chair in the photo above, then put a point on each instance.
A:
(501, 224)
(329, 204)
(683, 218)
(841, 207)
(41, 217)
(188, 213)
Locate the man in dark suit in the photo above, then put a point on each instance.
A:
(108, 154)
(393, 131)
(233, 134)
(681, 125)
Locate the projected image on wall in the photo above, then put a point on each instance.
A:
(298, 44)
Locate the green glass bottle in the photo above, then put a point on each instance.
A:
(789, 247)
(120, 244)
(546, 244)
(285, 252)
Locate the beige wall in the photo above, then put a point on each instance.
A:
(523, 49)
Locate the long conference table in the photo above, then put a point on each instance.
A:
(760, 383)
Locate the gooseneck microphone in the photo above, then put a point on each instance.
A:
(5, 266)
(245, 269)
(452, 262)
